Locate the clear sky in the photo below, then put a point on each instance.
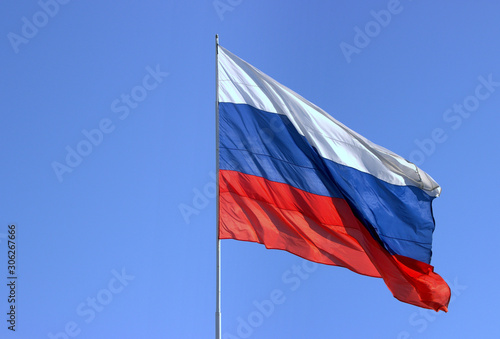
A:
(108, 138)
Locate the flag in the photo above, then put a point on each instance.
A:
(293, 178)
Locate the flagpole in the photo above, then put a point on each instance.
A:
(218, 299)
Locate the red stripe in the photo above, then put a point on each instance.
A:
(320, 229)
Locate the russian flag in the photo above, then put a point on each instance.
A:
(293, 178)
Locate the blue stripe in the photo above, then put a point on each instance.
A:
(267, 145)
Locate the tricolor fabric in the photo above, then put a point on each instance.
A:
(293, 178)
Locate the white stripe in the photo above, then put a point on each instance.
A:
(241, 83)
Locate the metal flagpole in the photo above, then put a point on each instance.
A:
(217, 303)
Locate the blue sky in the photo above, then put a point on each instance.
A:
(108, 132)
